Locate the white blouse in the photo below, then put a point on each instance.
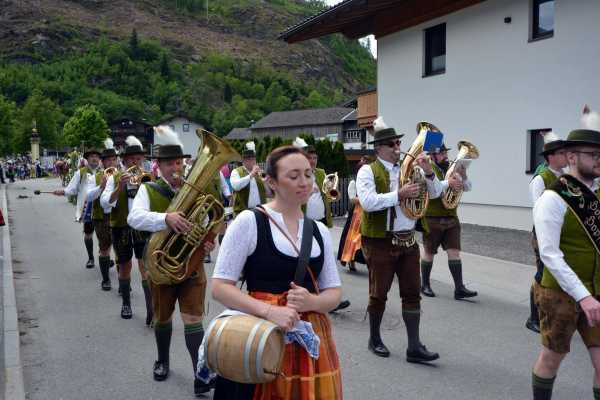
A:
(240, 242)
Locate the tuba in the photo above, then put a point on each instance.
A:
(139, 176)
(330, 185)
(410, 173)
(169, 256)
(467, 151)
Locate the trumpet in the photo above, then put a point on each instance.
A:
(139, 176)
(330, 184)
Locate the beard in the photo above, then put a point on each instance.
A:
(588, 173)
(444, 165)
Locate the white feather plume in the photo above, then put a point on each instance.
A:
(549, 136)
(168, 136)
(379, 124)
(109, 144)
(590, 120)
(299, 143)
(251, 146)
(133, 141)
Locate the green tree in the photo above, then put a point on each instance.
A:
(86, 126)
(165, 69)
(315, 100)
(7, 125)
(134, 44)
(47, 116)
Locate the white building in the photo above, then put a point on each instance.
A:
(491, 72)
(186, 129)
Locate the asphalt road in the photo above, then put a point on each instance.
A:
(76, 346)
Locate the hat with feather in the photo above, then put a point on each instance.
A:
(551, 142)
(90, 151)
(171, 146)
(383, 133)
(133, 146)
(109, 149)
(249, 150)
(589, 134)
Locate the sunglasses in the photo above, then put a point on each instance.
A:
(594, 154)
(392, 143)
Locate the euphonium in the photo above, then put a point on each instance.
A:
(466, 150)
(170, 257)
(415, 208)
(330, 185)
(139, 176)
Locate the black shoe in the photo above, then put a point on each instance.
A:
(533, 325)
(112, 264)
(351, 266)
(201, 387)
(149, 318)
(464, 293)
(426, 290)
(105, 285)
(378, 348)
(421, 355)
(126, 312)
(161, 370)
(90, 264)
(343, 304)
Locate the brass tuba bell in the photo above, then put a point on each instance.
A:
(139, 176)
(467, 151)
(330, 187)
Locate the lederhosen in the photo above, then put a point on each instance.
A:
(389, 254)
(126, 241)
(101, 220)
(441, 225)
(268, 274)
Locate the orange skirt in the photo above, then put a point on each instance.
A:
(304, 378)
(353, 243)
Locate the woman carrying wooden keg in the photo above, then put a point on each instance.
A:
(263, 245)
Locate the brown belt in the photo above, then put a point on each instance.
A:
(402, 238)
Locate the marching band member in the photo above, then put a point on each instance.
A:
(148, 214)
(566, 226)
(78, 187)
(101, 216)
(118, 195)
(442, 227)
(556, 161)
(249, 190)
(388, 240)
(264, 245)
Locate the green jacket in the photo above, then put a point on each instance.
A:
(580, 254)
(97, 211)
(373, 224)
(548, 177)
(119, 213)
(435, 207)
(320, 178)
(158, 202)
(240, 198)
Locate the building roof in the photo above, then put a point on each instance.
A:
(311, 117)
(238, 134)
(359, 18)
(177, 115)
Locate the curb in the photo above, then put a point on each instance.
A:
(14, 386)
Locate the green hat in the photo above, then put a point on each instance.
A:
(169, 152)
(132, 146)
(551, 147)
(583, 137)
(91, 151)
(106, 153)
(442, 148)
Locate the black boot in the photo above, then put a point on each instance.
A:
(162, 333)
(89, 246)
(375, 343)
(416, 351)
(194, 333)
(343, 304)
(460, 291)
(104, 262)
(124, 287)
(148, 298)
(426, 267)
(533, 322)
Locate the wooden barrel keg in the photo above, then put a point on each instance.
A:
(244, 348)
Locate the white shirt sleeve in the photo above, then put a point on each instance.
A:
(73, 186)
(536, 188)
(224, 186)
(434, 187)
(93, 190)
(467, 185)
(105, 196)
(141, 218)
(548, 217)
(329, 277)
(238, 183)
(352, 189)
(238, 243)
(369, 199)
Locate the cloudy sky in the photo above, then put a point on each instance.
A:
(371, 38)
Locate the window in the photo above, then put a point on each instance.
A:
(186, 127)
(535, 145)
(542, 22)
(435, 50)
